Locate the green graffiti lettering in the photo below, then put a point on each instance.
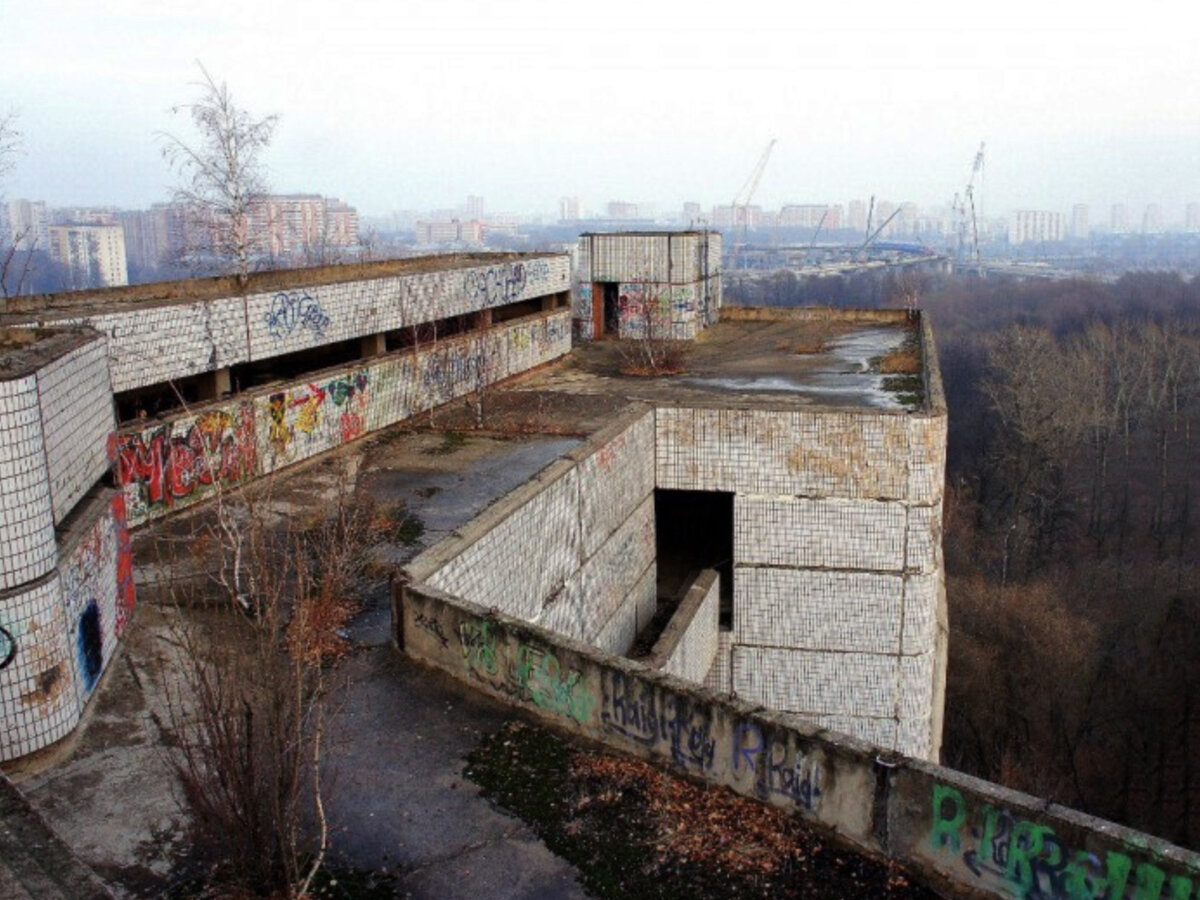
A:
(1116, 870)
(945, 828)
(1149, 883)
(1082, 879)
(479, 647)
(542, 677)
(1024, 846)
(1181, 888)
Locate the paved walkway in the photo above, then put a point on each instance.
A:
(397, 800)
(34, 863)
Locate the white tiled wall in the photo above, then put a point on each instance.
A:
(27, 549)
(578, 556)
(697, 649)
(837, 537)
(38, 699)
(77, 420)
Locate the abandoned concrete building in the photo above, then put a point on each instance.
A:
(791, 516)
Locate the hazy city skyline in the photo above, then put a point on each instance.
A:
(415, 105)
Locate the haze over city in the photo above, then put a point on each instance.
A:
(414, 105)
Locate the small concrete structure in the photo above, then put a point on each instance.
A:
(647, 284)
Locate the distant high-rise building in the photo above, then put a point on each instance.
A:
(26, 224)
(1152, 220)
(804, 215)
(619, 209)
(1119, 219)
(93, 255)
(1037, 226)
(856, 215)
(301, 225)
(883, 212)
(84, 215)
(568, 209)
(1191, 217)
(1079, 221)
(148, 235)
(692, 214)
(454, 231)
(474, 207)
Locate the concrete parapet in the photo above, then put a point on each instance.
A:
(965, 836)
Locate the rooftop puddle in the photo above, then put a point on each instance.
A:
(845, 371)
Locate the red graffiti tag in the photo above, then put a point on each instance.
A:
(166, 467)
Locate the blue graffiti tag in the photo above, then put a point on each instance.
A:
(291, 310)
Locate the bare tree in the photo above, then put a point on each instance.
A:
(648, 345)
(222, 174)
(16, 256)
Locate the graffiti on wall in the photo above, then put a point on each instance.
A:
(89, 646)
(167, 465)
(670, 312)
(497, 285)
(778, 769)
(8, 648)
(125, 588)
(293, 311)
(632, 710)
(1030, 861)
(317, 416)
(529, 672)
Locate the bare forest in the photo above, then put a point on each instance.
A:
(1071, 541)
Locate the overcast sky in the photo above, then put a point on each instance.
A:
(408, 104)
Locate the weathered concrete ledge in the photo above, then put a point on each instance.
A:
(688, 645)
(483, 524)
(966, 836)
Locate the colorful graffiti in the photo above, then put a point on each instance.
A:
(174, 464)
(532, 673)
(162, 466)
(551, 686)
(1030, 861)
(89, 646)
(295, 310)
(125, 585)
(318, 416)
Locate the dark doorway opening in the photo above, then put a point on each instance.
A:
(694, 531)
(612, 307)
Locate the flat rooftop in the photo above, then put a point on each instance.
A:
(750, 359)
(76, 303)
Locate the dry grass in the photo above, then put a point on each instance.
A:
(904, 361)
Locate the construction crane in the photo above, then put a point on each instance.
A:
(820, 224)
(878, 231)
(746, 194)
(967, 204)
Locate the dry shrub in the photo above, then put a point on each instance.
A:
(250, 688)
(644, 357)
